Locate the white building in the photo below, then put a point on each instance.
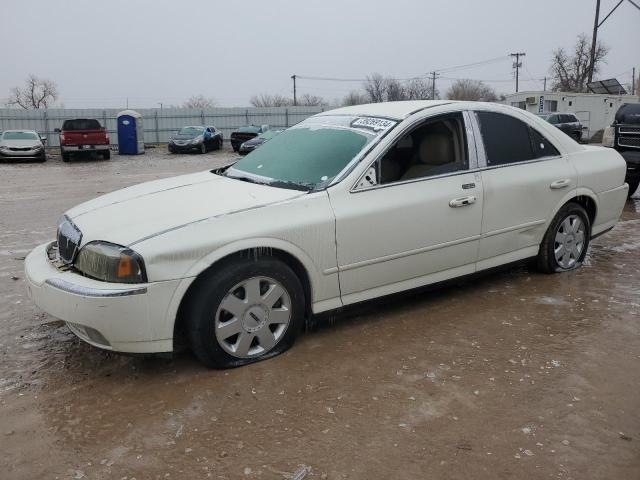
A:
(595, 111)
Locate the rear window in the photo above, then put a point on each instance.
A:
(506, 139)
(81, 124)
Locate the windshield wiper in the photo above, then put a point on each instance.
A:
(305, 187)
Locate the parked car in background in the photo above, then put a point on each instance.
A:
(22, 145)
(348, 205)
(83, 135)
(624, 136)
(255, 142)
(245, 133)
(200, 139)
(567, 122)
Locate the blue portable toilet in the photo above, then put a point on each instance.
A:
(130, 133)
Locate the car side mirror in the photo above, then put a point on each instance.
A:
(57, 130)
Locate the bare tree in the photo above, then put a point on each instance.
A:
(199, 102)
(571, 71)
(268, 100)
(308, 100)
(36, 93)
(354, 97)
(419, 89)
(375, 88)
(394, 90)
(473, 90)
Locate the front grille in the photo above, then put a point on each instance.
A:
(69, 237)
(631, 130)
(20, 149)
(628, 141)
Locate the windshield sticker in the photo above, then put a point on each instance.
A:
(375, 124)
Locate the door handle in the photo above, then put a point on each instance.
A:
(462, 201)
(560, 184)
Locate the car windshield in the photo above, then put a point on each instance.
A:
(310, 154)
(544, 116)
(20, 136)
(191, 131)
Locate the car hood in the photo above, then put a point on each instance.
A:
(149, 209)
(254, 142)
(184, 137)
(20, 143)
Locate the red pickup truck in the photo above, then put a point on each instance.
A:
(83, 135)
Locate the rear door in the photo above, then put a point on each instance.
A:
(524, 180)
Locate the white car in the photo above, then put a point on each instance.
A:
(346, 206)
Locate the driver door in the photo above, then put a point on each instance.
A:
(415, 215)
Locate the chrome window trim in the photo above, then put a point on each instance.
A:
(477, 135)
(471, 153)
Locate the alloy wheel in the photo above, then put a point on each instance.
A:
(569, 241)
(253, 317)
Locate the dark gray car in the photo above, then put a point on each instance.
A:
(567, 122)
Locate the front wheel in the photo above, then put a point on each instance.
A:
(247, 311)
(633, 186)
(566, 241)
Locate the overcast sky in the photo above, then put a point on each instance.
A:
(101, 52)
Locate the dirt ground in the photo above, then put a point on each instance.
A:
(511, 375)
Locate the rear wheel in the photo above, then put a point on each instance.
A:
(106, 154)
(249, 311)
(633, 186)
(567, 239)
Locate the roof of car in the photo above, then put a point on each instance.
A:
(394, 110)
(18, 130)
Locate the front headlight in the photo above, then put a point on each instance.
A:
(197, 140)
(609, 137)
(111, 263)
(4, 147)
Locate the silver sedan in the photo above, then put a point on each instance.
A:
(22, 145)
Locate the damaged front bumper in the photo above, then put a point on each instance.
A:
(119, 317)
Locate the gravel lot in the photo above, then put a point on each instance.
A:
(511, 375)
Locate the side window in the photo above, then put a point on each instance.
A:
(506, 139)
(553, 119)
(542, 146)
(434, 148)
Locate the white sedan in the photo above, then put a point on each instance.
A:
(348, 205)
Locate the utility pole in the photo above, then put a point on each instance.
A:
(594, 39)
(295, 97)
(633, 81)
(517, 64)
(434, 75)
(596, 25)
(544, 89)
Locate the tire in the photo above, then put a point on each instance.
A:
(259, 336)
(43, 158)
(219, 145)
(633, 186)
(106, 154)
(66, 157)
(566, 241)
